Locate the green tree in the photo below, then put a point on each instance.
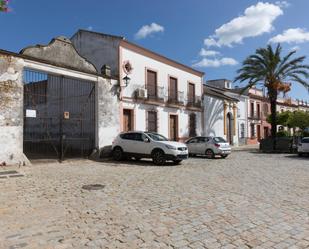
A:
(281, 118)
(299, 119)
(269, 67)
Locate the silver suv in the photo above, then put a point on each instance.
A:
(139, 145)
(209, 146)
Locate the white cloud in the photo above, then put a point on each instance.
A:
(147, 30)
(256, 20)
(296, 35)
(283, 4)
(216, 62)
(207, 53)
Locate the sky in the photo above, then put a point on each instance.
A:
(211, 36)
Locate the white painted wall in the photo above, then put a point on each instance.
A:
(214, 117)
(141, 62)
(11, 136)
(138, 77)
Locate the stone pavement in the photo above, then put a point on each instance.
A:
(248, 200)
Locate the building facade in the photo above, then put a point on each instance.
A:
(229, 113)
(53, 104)
(220, 115)
(162, 95)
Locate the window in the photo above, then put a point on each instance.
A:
(192, 141)
(242, 130)
(219, 140)
(172, 90)
(266, 109)
(305, 140)
(252, 130)
(151, 84)
(192, 125)
(156, 136)
(252, 109)
(202, 139)
(191, 93)
(132, 136)
(152, 121)
(258, 110)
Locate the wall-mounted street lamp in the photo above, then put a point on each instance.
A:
(126, 80)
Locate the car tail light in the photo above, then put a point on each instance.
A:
(217, 145)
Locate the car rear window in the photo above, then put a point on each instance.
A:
(305, 140)
(219, 140)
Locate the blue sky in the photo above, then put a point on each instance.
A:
(228, 31)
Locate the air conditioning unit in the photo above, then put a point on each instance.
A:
(141, 93)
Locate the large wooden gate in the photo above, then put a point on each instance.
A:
(59, 116)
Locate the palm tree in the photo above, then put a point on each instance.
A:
(268, 67)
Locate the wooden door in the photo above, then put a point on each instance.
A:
(151, 84)
(173, 128)
(258, 131)
(127, 120)
(191, 93)
(172, 89)
(152, 121)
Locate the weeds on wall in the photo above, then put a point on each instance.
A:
(4, 6)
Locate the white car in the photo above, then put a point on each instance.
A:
(303, 146)
(139, 145)
(209, 146)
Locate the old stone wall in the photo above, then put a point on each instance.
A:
(11, 111)
(108, 112)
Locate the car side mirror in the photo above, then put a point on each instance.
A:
(146, 140)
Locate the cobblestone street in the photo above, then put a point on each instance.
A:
(248, 200)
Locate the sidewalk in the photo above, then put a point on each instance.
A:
(246, 147)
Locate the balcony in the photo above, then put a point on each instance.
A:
(255, 115)
(194, 103)
(158, 96)
(178, 100)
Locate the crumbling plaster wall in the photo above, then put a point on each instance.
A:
(11, 111)
(108, 112)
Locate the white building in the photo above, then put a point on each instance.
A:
(225, 111)
(162, 95)
(220, 114)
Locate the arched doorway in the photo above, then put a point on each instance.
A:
(229, 128)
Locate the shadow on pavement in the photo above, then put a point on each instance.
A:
(302, 158)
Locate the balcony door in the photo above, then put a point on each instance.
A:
(172, 90)
(151, 84)
(191, 93)
(173, 126)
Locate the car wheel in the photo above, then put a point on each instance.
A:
(209, 154)
(117, 154)
(158, 157)
(176, 162)
(224, 156)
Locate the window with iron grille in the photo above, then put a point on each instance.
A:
(242, 130)
(192, 125)
(152, 121)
